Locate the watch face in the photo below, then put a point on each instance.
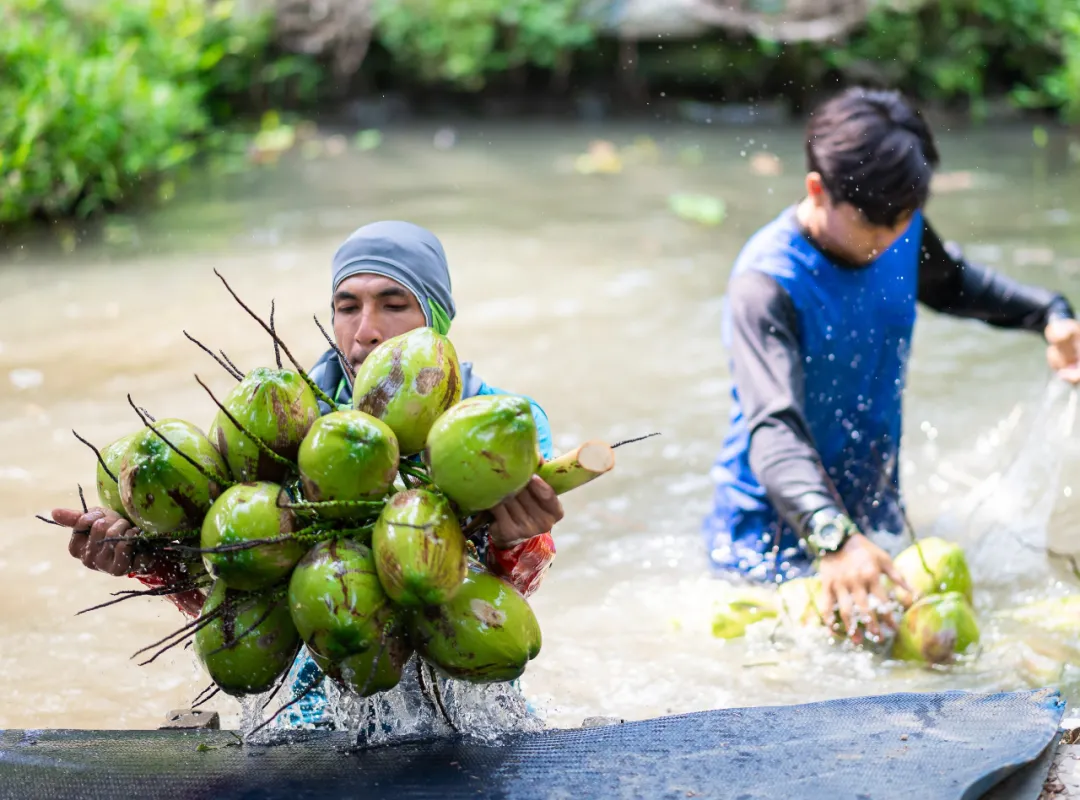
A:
(829, 537)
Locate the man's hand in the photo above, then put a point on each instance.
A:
(532, 511)
(88, 530)
(850, 576)
(1063, 350)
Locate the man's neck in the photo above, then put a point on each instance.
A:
(809, 217)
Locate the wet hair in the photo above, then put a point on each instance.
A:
(874, 151)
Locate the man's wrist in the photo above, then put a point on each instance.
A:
(828, 530)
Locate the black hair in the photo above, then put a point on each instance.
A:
(874, 151)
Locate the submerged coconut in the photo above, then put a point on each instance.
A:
(248, 512)
(377, 669)
(337, 602)
(348, 456)
(408, 382)
(483, 450)
(800, 601)
(935, 566)
(108, 489)
(274, 405)
(936, 629)
(486, 633)
(162, 492)
(734, 616)
(420, 551)
(251, 645)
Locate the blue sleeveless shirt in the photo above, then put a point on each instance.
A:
(854, 328)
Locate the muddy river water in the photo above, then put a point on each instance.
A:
(587, 293)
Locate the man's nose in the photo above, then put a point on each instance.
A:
(368, 333)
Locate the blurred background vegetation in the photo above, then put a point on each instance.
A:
(106, 102)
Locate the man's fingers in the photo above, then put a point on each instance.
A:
(504, 522)
(66, 516)
(827, 598)
(87, 520)
(889, 568)
(540, 518)
(862, 603)
(515, 507)
(543, 493)
(884, 604)
(844, 607)
(77, 544)
(545, 496)
(120, 564)
(94, 547)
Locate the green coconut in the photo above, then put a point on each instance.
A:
(244, 513)
(486, 633)
(936, 629)
(420, 551)
(408, 382)
(483, 450)
(274, 405)
(800, 599)
(348, 456)
(108, 489)
(375, 670)
(735, 615)
(935, 566)
(250, 645)
(337, 602)
(162, 492)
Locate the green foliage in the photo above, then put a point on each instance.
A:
(102, 97)
(970, 49)
(462, 42)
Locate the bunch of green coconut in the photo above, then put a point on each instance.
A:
(938, 625)
(344, 532)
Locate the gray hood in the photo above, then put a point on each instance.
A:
(406, 253)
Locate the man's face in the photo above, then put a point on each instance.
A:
(368, 310)
(845, 230)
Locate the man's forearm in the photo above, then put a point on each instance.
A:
(950, 284)
(767, 365)
(790, 471)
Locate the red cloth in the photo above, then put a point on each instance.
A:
(523, 565)
(169, 573)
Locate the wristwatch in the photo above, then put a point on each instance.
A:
(828, 532)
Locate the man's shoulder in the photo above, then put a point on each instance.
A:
(778, 248)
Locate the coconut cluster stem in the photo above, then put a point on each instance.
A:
(634, 440)
(226, 365)
(578, 467)
(271, 606)
(345, 364)
(160, 591)
(188, 631)
(97, 453)
(202, 470)
(262, 446)
(414, 472)
(273, 332)
(319, 393)
(332, 505)
(311, 687)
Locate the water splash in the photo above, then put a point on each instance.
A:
(424, 705)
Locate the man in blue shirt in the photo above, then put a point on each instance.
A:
(387, 278)
(818, 321)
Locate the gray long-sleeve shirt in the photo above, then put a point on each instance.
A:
(767, 362)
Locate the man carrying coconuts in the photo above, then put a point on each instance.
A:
(818, 321)
(389, 278)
